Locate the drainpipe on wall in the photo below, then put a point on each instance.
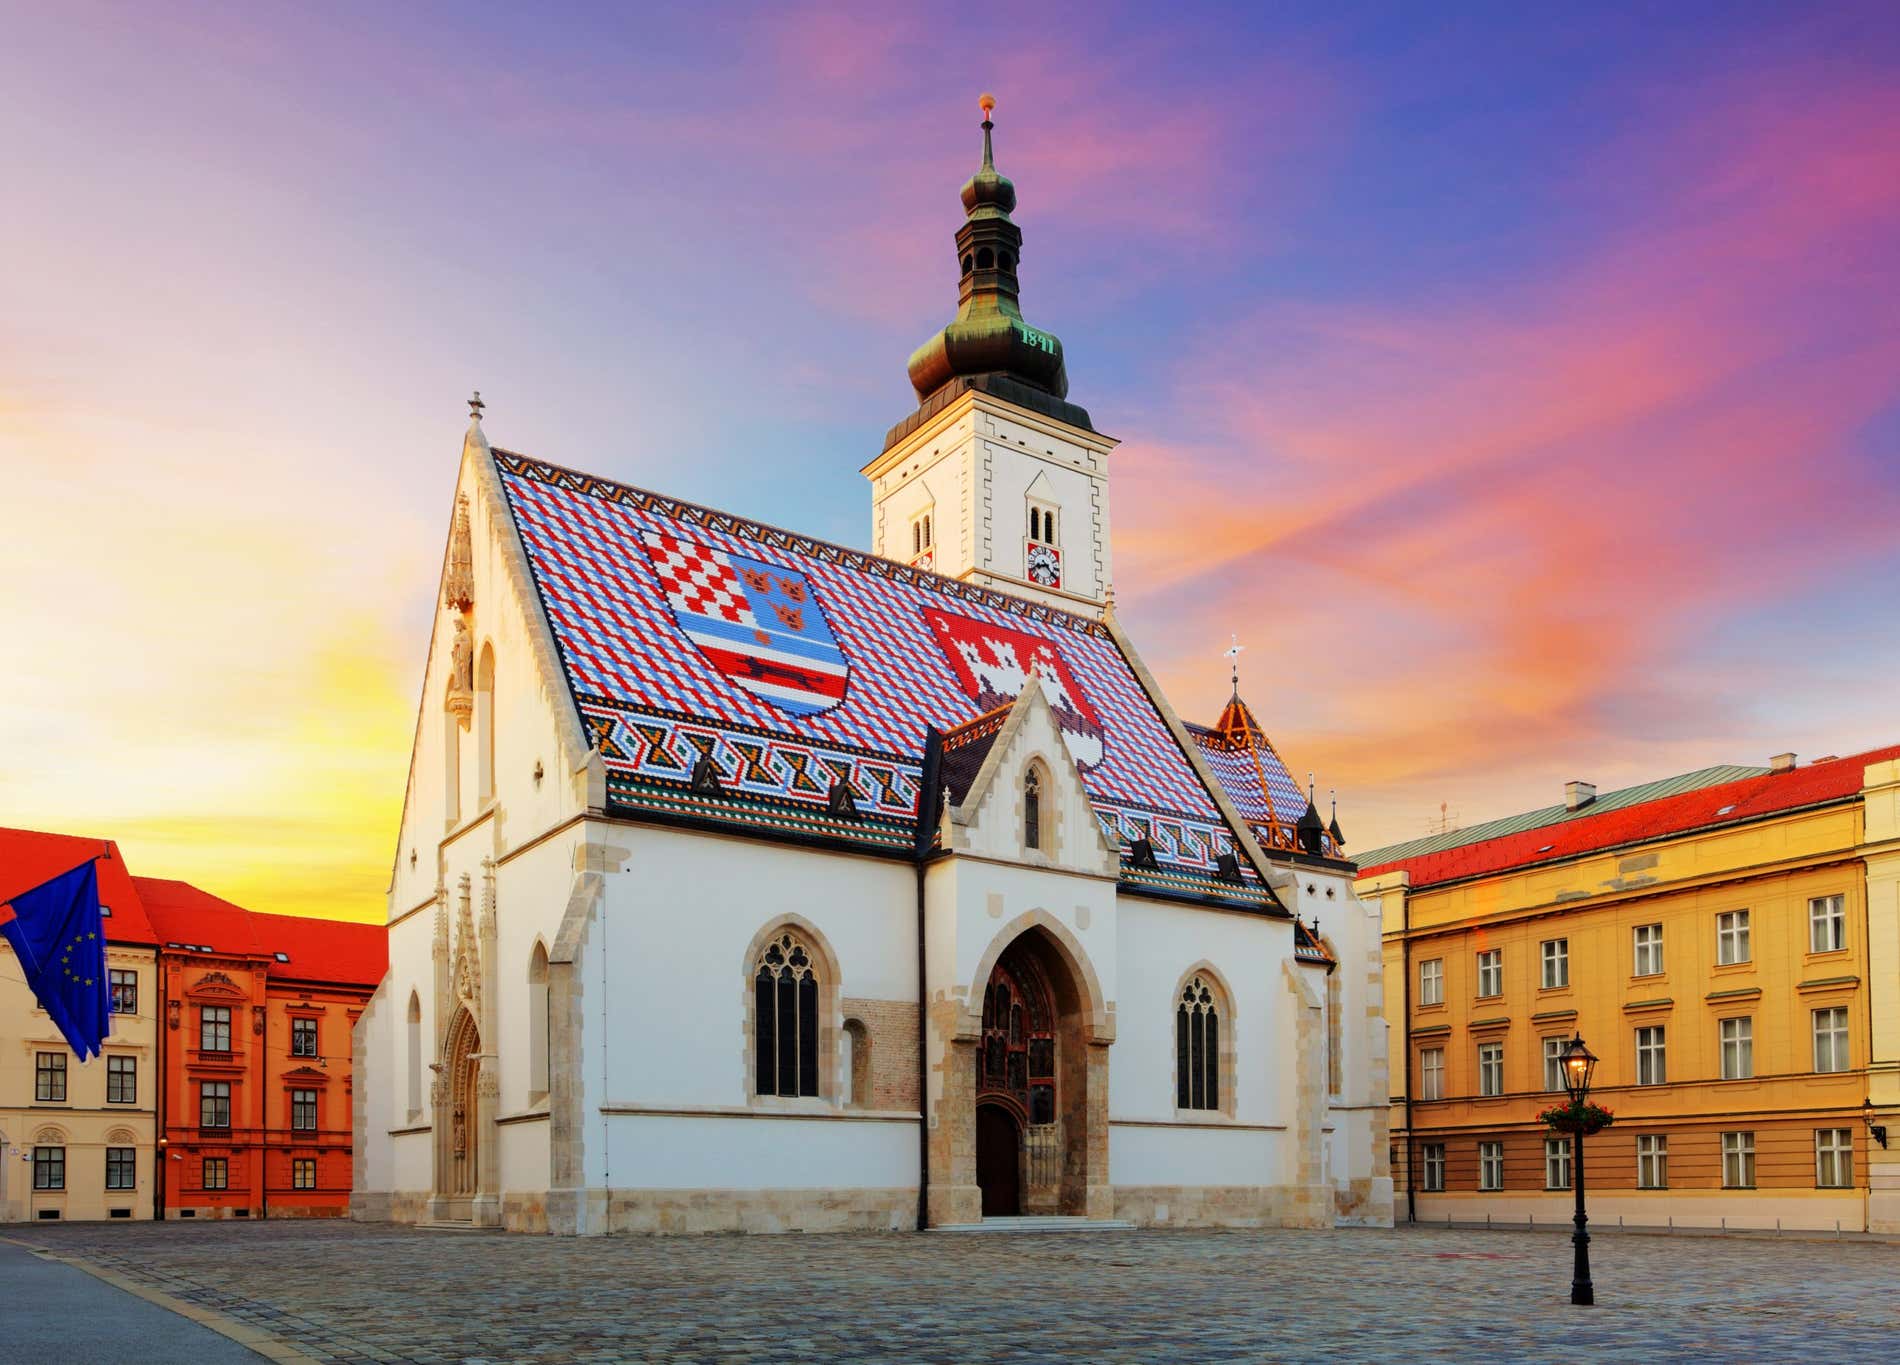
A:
(1411, 1144)
(161, 1144)
(929, 802)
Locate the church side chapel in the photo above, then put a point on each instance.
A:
(749, 882)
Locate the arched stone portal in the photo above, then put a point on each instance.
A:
(1028, 1062)
(460, 1131)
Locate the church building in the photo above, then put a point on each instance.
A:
(748, 882)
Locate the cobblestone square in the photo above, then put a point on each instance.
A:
(342, 1291)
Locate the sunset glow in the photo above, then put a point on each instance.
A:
(1524, 393)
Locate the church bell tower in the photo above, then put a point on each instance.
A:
(997, 478)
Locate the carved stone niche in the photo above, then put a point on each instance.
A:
(257, 1018)
(172, 1008)
(462, 675)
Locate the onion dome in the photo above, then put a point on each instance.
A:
(989, 338)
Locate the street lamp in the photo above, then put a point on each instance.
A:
(1579, 1065)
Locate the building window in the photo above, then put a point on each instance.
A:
(121, 1168)
(1032, 810)
(1197, 1048)
(1490, 1068)
(1731, 938)
(1557, 1163)
(1738, 1161)
(1431, 1073)
(1833, 1158)
(1652, 1067)
(215, 1174)
(1556, 963)
(303, 1037)
(1490, 1165)
(1553, 1063)
(1649, 957)
(214, 1104)
(1434, 1172)
(1490, 973)
(49, 1077)
(214, 1028)
(415, 1054)
(539, 1056)
(49, 1168)
(922, 534)
(1738, 1049)
(785, 1021)
(1431, 982)
(122, 1080)
(1652, 1161)
(125, 990)
(303, 1173)
(485, 725)
(1827, 924)
(303, 1111)
(1042, 523)
(1830, 1039)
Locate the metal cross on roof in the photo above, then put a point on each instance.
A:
(1232, 655)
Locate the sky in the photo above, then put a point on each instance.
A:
(1520, 384)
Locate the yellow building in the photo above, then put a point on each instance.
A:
(77, 1139)
(1727, 942)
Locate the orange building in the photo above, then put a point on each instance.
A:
(256, 1090)
(1714, 940)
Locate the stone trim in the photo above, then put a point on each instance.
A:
(1211, 1206)
(699, 1211)
(1101, 1010)
(826, 1113)
(1191, 1123)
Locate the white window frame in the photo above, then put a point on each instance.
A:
(1431, 981)
(1042, 515)
(1652, 1054)
(1830, 1038)
(1646, 950)
(1827, 924)
(1738, 1161)
(1432, 1168)
(1833, 1158)
(1731, 938)
(1554, 1063)
(1652, 1161)
(1490, 973)
(1490, 1165)
(1555, 953)
(1431, 1073)
(1738, 1047)
(1556, 1163)
(1490, 1069)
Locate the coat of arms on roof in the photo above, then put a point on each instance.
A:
(759, 624)
(993, 662)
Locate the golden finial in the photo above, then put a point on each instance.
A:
(987, 103)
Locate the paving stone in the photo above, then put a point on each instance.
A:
(353, 1291)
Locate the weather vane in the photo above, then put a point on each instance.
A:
(1232, 655)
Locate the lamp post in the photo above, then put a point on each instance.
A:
(1876, 1131)
(1579, 1065)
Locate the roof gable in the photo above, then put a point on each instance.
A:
(790, 663)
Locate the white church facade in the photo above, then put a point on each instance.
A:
(748, 882)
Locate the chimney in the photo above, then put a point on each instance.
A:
(1577, 795)
(1781, 763)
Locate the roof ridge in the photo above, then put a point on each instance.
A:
(753, 529)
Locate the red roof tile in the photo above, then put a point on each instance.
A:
(339, 951)
(1727, 803)
(29, 858)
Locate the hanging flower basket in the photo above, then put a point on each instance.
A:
(1570, 1117)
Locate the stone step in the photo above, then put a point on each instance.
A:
(451, 1225)
(1040, 1223)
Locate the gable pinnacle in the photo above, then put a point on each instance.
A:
(475, 406)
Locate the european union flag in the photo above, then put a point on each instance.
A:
(60, 939)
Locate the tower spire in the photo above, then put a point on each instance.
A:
(989, 338)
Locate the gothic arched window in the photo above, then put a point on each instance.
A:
(1032, 810)
(785, 1022)
(414, 1040)
(538, 1056)
(1197, 1047)
(485, 725)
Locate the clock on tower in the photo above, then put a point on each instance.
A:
(1044, 563)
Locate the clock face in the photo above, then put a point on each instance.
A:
(1044, 563)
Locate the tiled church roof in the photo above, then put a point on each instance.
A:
(790, 664)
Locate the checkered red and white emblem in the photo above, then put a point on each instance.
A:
(699, 580)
